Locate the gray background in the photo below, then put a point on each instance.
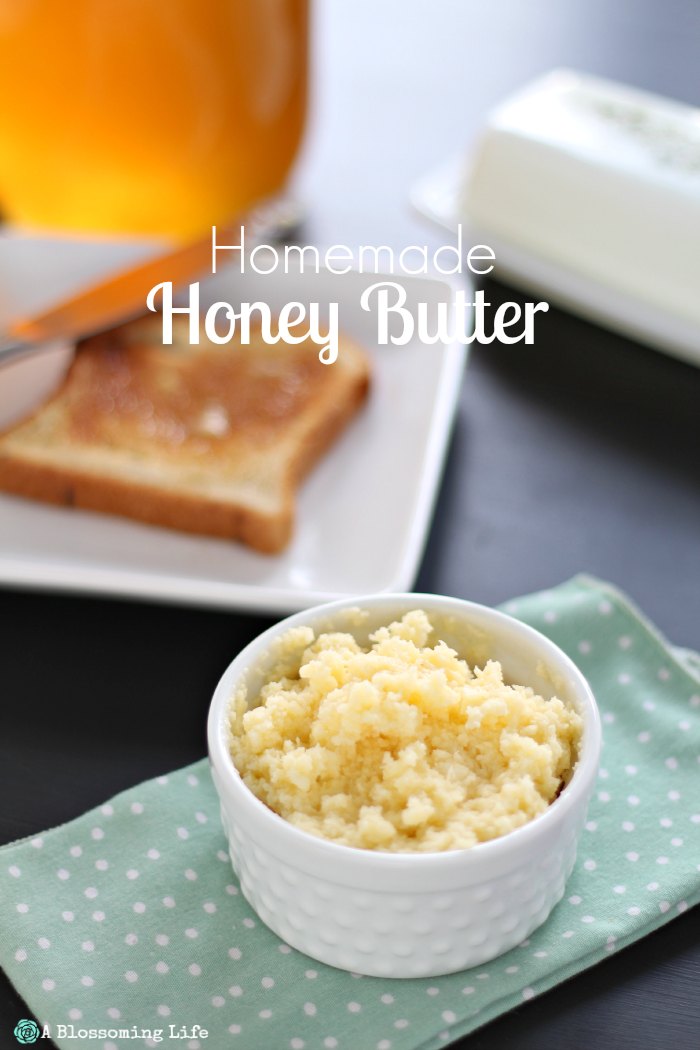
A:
(577, 454)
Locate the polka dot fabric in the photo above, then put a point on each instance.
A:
(131, 916)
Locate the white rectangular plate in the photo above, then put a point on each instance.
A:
(362, 515)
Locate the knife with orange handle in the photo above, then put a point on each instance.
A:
(122, 296)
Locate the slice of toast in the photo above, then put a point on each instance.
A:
(208, 439)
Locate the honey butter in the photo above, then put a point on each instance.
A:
(400, 745)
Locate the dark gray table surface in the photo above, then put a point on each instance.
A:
(581, 453)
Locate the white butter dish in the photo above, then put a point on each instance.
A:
(589, 193)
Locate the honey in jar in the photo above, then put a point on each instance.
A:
(147, 116)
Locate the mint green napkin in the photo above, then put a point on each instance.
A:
(129, 919)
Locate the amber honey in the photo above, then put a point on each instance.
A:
(147, 116)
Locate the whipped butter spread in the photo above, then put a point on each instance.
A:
(400, 745)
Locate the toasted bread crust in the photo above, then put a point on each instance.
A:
(146, 503)
(23, 472)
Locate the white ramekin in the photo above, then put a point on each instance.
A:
(407, 914)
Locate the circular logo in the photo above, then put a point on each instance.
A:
(27, 1032)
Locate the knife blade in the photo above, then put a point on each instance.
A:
(122, 296)
(119, 298)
